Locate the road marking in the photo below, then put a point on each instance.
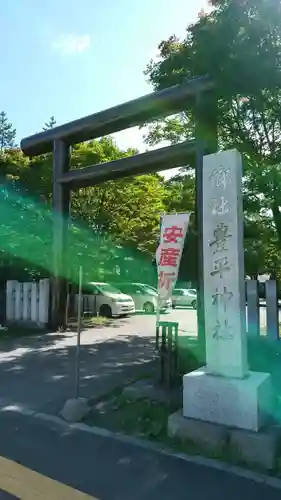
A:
(26, 484)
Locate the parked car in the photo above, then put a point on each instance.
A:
(106, 300)
(184, 297)
(144, 297)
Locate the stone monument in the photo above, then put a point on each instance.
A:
(225, 391)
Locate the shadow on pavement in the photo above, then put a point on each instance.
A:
(41, 374)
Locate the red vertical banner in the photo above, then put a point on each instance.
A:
(174, 228)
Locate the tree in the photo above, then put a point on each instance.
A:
(238, 46)
(7, 132)
(129, 209)
(180, 192)
(50, 124)
(114, 225)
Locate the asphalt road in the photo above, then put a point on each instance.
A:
(40, 460)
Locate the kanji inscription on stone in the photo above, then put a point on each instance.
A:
(223, 262)
(220, 266)
(220, 177)
(222, 330)
(220, 206)
(221, 236)
(221, 297)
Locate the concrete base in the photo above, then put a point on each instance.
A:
(253, 448)
(210, 436)
(75, 409)
(257, 448)
(242, 403)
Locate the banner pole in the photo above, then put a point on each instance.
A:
(157, 321)
(158, 299)
(78, 338)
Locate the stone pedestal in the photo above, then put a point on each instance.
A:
(242, 403)
(251, 447)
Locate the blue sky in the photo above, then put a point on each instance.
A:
(71, 58)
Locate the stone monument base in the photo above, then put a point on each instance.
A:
(242, 403)
(254, 448)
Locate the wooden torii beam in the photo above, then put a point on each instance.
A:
(135, 112)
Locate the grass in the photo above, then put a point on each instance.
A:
(141, 418)
(148, 420)
(90, 322)
(263, 354)
(96, 321)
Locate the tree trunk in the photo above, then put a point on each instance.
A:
(277, 220)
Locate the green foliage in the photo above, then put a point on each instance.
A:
(114, 226)
(50, 124)
(180, 193)
(238, 46)
(7, 133)
(129, 209)
(138, 417)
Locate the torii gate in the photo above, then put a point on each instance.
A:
(197, 94)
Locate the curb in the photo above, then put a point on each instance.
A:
(273, 482)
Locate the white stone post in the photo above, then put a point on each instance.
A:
(26, 303)
(35, 302)
(44, 297)
(223, 256)
(10, 300)
(224, 391)
(18, 301)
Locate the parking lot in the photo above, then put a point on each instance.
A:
(186, 317)
(144, 324)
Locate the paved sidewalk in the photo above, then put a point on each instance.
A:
(39, 371)
(109, 469)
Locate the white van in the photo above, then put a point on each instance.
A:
(106, 300)
(144, 297)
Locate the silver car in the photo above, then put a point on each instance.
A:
(144, 297)
(184, 297)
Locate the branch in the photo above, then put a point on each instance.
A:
(266, 133)
(256, 128)
(241, 132)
